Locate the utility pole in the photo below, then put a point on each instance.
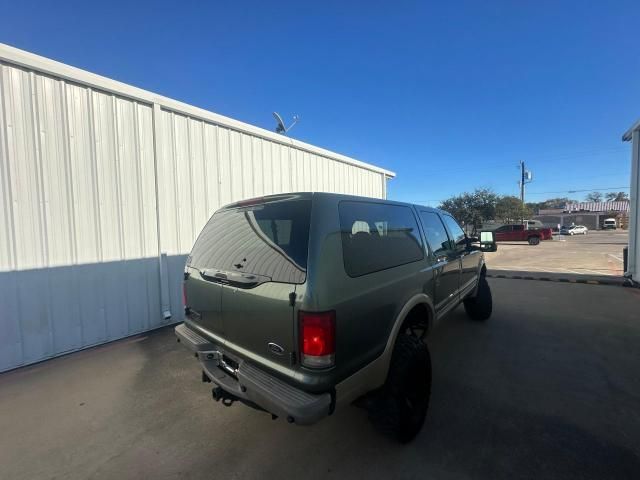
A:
(525, 177)
(522, 170)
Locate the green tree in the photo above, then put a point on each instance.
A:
(560, 202)
(594, 197)
(456, 206)
(616, 196)
(473, 208)
(510, 210)
(534, 206)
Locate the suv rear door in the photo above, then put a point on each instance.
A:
(251, 256)
(384, 258)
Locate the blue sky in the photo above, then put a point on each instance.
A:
(449, 95)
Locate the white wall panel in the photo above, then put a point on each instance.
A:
(107, 176)
(103, 190)
(23, 168)
(53, 159)
(205, 166)
(81, 166)
(78, 261)
(634, 234)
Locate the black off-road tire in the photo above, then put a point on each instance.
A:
(400, 408)
(534, 240)
(480, 306)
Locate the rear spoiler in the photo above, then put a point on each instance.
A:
(268, 199)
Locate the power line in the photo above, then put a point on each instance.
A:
(530, 193)
(579, 191)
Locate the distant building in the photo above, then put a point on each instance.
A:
(622, 206)
(589, 214)
(550, 211)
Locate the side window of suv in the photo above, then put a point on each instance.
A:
(435, 233)
(459, 238)
(377, 236)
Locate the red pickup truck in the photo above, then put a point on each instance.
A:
(519, 233)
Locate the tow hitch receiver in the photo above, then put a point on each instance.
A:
(227, 398)
(219, 394)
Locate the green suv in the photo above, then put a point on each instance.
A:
(297, 304)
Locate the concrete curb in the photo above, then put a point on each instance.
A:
(559, 277)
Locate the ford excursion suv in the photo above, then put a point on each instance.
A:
(298, 304)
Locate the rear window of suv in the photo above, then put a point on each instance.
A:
(270, 239)
(376, 236)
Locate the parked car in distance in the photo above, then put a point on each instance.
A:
(610, 224)
(574, 230)
(298, 304)
(518, 233)
(531, 224)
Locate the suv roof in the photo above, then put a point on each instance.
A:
(341, 196)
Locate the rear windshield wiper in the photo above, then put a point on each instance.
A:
(235, 279)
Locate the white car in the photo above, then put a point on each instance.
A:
(577, 230)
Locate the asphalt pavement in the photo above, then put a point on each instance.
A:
(547, 388)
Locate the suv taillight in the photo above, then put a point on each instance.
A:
(317, 339)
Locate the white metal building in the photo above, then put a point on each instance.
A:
(103, 189)
(633, 270)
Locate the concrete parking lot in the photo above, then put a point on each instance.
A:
(598, 253)
(547, 388)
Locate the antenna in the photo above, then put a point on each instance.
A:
(281, 128)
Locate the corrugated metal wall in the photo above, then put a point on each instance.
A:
(78, 262)
(633, 265)
(103, 194)
(219, 165)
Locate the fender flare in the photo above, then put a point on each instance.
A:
(374, 375)
(418, 299)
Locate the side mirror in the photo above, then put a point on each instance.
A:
(488, 242)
